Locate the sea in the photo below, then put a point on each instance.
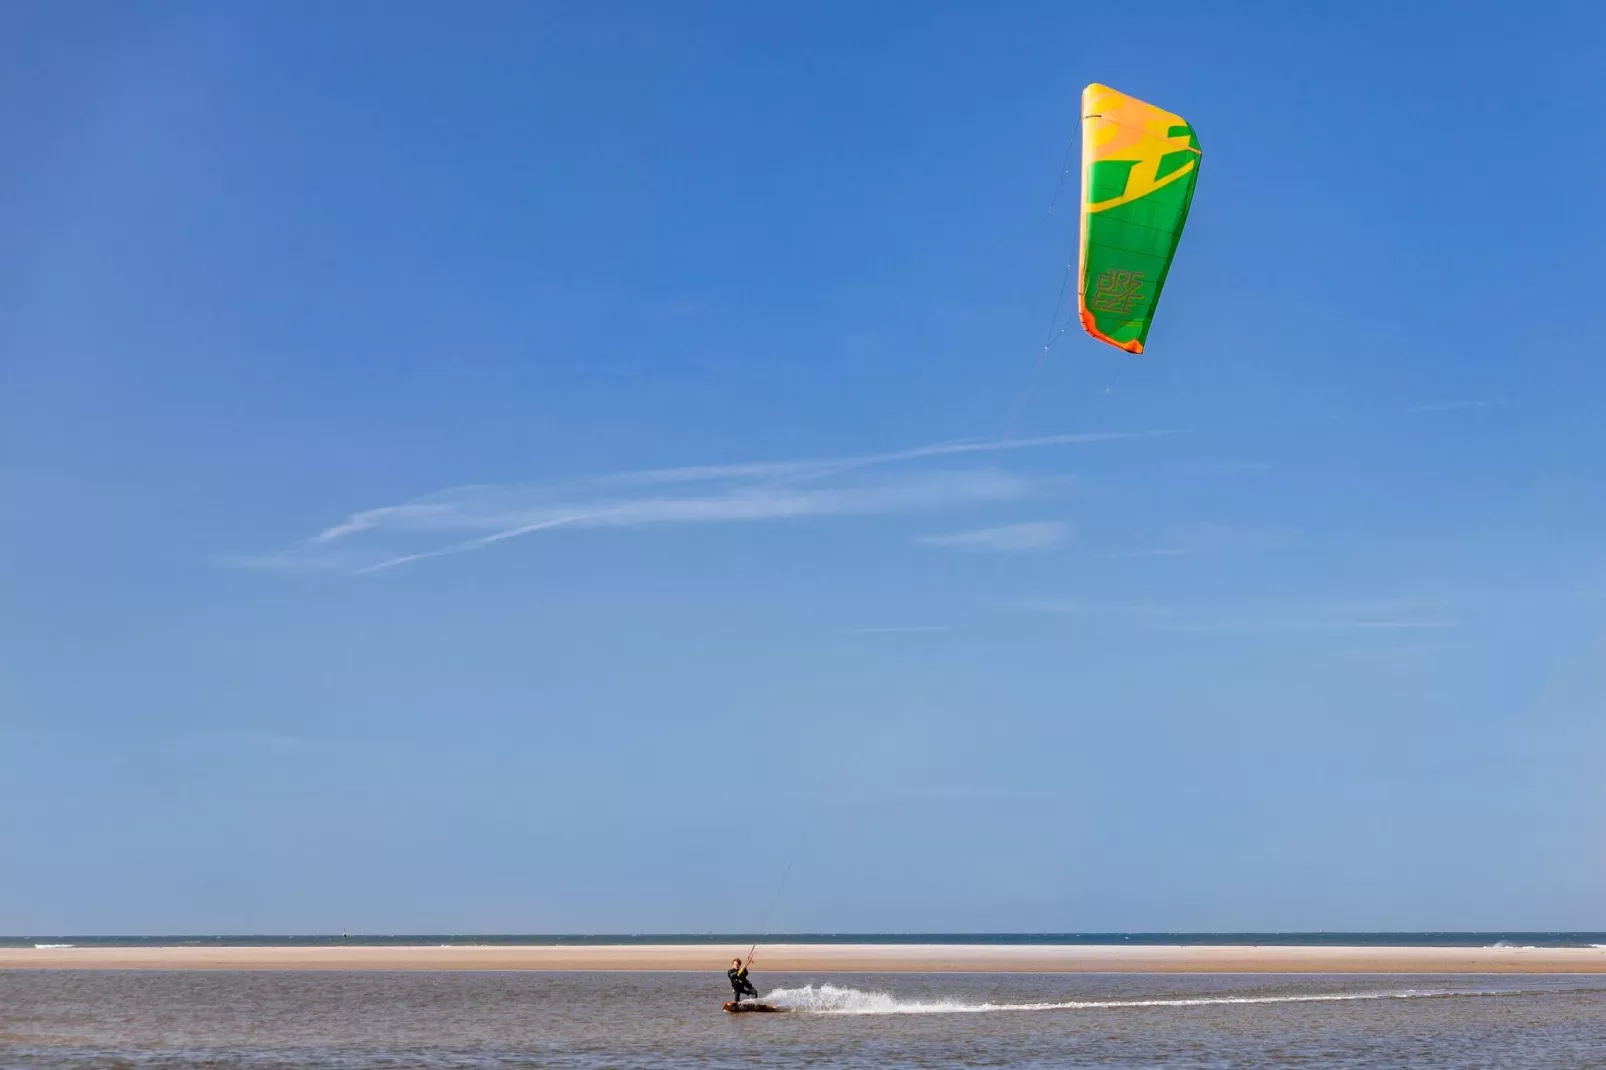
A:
(367, 1020)
(1288, 939)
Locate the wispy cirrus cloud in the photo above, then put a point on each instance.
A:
(481, 517)
(1004, 539)
(817, 468)
(475, 517)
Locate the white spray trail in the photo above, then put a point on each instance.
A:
(829, 999)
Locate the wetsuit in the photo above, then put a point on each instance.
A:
(739, 982)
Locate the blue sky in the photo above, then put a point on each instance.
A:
(541, 468)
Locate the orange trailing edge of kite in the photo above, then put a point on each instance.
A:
(1090, 325)
(1139, 167)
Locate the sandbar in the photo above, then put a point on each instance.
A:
(827, 958)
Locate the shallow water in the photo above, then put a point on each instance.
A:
(368, 1020)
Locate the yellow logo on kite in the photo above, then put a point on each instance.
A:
(1117, 291)
(1119, 127)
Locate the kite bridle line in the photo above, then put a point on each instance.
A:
(769, 915)
(1054, 330)
(1065, 166)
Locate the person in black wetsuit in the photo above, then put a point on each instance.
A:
(739, 982)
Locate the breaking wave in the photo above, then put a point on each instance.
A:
(829, 999)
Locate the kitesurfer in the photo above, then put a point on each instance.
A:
(739, 982)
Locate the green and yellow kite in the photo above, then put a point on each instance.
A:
(1139, 166)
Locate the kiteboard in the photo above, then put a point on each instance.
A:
(752, 1008)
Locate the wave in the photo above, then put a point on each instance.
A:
(1507, 945)
(45, 947)
(829, 999)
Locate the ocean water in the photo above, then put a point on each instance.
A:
(1306, 939)
(592, 1021)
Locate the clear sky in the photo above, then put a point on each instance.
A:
(492, 468)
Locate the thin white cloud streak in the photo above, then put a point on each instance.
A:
(819, 467)
(372, 518)
(1209, 539)
(491, 515)
(751, 491)
(1410, 624)
(459, 507)
(828, 466)
(941, 490)
(1005, 539)
(730, 493)
(1458, 406)
(472, 544)
(1360, 616)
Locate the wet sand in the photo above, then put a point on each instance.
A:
(827, 958)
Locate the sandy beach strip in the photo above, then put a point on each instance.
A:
(826, 958)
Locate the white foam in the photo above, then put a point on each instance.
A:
(829, 999)
(1507, 945)
(45, 947)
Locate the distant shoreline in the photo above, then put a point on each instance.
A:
(826, 958)
(1471, 939)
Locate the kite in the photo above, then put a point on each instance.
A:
(1139, 167)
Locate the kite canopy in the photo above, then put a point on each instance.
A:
(1139, 166)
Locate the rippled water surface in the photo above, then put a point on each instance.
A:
(595, 1020)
